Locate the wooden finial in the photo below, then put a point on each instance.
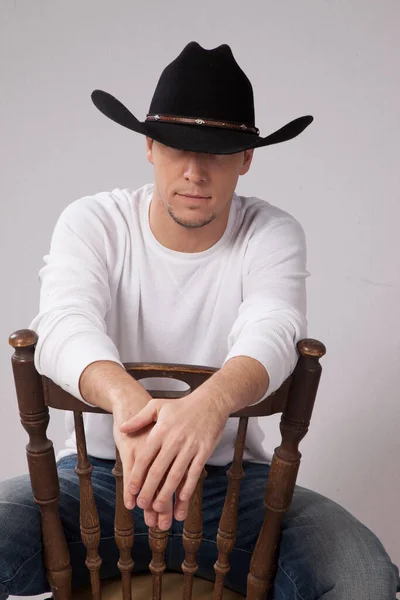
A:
(311, 348)
(23, 338)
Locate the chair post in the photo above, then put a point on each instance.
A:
(282, 477)
(123, 530)
(88, 515)
(34, 416)
(226, 536)
(192, 536)
(158, 540)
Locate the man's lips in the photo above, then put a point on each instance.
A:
(194, 196)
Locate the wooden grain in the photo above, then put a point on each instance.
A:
(34, 416)
(295, 399)
(124, 531)
(158, 540)
(142, 588)
(226, 536)
(56, 397)
(88, 516)
(285, 464)
(191, 539)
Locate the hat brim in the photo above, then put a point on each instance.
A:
(195, 138)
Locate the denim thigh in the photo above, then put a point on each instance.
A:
(325, 552)
(21, 565)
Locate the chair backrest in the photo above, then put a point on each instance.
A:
(35, 393)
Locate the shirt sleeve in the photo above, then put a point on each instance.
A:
(74, 299)
(272, 316)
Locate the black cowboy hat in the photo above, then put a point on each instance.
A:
(203, 102)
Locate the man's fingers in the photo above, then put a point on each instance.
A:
(172, 480)
(145, 417)
(193, 475)
(165, 518)
(181, 509)
(150, 517)
(154, 480)
(129, 498)
(143, 460)
(154, 476)
(127, 464)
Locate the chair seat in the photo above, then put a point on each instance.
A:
(172, 589)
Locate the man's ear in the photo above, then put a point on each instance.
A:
(149, 149)
(247, 158)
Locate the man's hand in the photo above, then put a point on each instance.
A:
(108, 385)
(128, 445)
(183, 434)
(164, 444)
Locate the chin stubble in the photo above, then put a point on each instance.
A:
(189, 223)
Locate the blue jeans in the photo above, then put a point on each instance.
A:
(325, 552)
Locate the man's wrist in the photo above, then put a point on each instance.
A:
(240, 382)
(108, 385)
(214, 397)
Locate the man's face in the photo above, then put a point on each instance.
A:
(195, 188)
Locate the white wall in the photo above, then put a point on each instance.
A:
(337, 60)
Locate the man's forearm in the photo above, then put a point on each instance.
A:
(106, 384)
(240, 382)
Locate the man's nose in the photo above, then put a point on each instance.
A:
(196, 168)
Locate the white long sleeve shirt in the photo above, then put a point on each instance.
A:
(111, 291)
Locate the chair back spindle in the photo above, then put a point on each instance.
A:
(294, 399)
(158, 540)
(192, 534)
(89, 518)
(123, 530)
(226, 536)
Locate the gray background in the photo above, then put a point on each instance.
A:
(337, 60)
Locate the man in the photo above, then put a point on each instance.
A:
(183, 271)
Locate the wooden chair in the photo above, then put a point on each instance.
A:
(295, 399)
